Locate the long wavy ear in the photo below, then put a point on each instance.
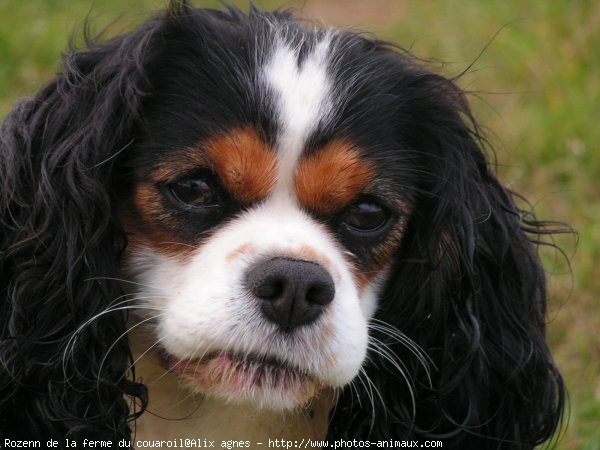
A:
(468, 288)
(60, 247)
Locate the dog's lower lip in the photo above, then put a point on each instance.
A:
(249, 377)
(242, 363)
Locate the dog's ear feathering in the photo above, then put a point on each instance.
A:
(60, 247)
(466, 284)
(469, 288)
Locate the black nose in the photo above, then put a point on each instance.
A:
(291, 292)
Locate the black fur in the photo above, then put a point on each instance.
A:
(467, 285)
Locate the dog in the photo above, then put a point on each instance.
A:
(241, 226)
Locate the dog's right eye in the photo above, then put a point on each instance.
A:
(196, 192)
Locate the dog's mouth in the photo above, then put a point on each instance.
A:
(245, 377)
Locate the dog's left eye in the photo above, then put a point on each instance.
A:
(194, 192)
(365, 216)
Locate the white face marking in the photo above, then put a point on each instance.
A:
(302, 102)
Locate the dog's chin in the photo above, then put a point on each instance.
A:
(260, 381)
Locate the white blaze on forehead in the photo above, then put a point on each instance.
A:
(302, 100)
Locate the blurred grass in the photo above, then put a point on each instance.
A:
(536, 87)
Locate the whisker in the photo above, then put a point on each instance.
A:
(70, 345)
(132, 365)
(119, 338)
(373, 390)
(408, 343)
(122, 280)
(381, 349)
(114, 155)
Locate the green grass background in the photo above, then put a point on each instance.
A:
(536, 87)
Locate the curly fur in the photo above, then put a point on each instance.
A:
(467, 286)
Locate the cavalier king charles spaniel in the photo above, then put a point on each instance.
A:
(240, 226)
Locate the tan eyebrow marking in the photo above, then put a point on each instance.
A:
(330, 179)
(245, 164)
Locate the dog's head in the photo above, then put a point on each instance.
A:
(267, 200)
(282, 210)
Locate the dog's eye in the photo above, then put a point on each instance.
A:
(365, 216)
(194, 192)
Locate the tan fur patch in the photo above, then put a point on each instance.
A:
(151, 226)
(245, 164)
(309, 253)
(329, 180)
(383, 256)
(182, 163)
(240, 252)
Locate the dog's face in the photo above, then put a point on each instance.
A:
(260, 225)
